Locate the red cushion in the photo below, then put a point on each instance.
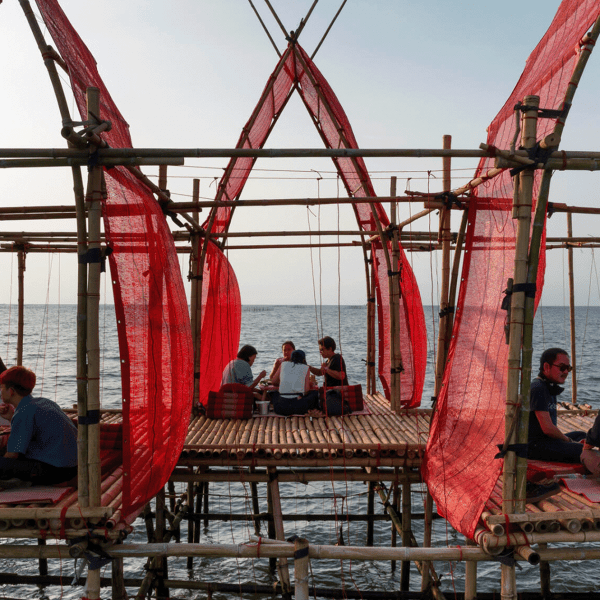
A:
(353, 395)
(230, 404)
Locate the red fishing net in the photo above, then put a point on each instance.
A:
(295, 67)
(459, 465)
(221, 320)
(152, 315)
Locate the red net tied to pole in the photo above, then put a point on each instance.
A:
(151, 308)
(459, 464)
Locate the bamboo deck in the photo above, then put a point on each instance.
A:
(380, 438)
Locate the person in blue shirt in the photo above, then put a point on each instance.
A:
(42, 446)
(239, 370)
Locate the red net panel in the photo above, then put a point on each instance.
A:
(459, 465)
(221, 320)
(152, 314)
(333, 126)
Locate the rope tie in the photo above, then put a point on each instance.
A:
(460, 558)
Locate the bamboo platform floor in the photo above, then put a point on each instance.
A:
(376, 437)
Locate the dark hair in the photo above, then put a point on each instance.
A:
(327, 342)
(549, 356)
(288, 342)
(298, 357)
(246, 352)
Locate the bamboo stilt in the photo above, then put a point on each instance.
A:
(279, 531)
(301, 563)
(406, 534)
(370, 511)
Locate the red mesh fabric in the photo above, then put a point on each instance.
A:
(459, 465)
(151, 307)
(221, 320)
(332, 123)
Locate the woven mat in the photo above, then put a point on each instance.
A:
(552, 469)
(590, 488)
(39, 494)
(364, 411)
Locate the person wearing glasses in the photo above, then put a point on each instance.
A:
(546, 440)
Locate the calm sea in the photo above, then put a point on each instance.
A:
(49, 349)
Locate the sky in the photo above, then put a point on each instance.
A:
(188, 73)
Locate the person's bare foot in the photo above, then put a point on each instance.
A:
(315, 412)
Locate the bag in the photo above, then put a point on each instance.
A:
(591, 461)
(334, 405)
(232, 401)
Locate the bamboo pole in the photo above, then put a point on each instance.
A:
(21, 303)
(406, 534)
(394, 300)
(301, 565)
(572, 311)
(94, 196)
(279, 531)
(522, 212)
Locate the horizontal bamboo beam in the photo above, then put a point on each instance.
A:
(258, 461)
(36, 163)
(298, 476)
(117, 153)
(100, 512)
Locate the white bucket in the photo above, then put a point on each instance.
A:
(263, 407)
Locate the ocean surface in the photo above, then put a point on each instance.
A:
(49, 349)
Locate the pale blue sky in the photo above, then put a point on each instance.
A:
(188, 73)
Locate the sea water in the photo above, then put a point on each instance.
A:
(49, 349)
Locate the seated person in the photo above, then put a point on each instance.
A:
(42, 446)
(287, 348)
(334, 367)
(294, 396)
(546, 441)
(239, 370)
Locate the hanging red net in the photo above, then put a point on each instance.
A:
(221, 320)
(459, 465)
(295, 67)
(151, 308)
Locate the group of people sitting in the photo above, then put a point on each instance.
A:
(297, 392)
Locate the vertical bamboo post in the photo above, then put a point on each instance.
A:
(394, 292)
(370, 512)
(427, 534)
(206, 503)
(470, 576)
(522, 212)
(192, 524)
(21, 302)
(572, 311)
(271, 525)
(196, 296)
(161, 528)
(82, 371)
(372, 375)
(284, 574)
(255, 505)
(370, 313)
(117, 579)
(301, 561)
(94, 198)
(544, 575)
(445, 238)
(406, 532)
(395, 501)
(199, 490)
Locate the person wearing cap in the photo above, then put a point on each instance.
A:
(295, 396)
(42, 446)
(239, 370)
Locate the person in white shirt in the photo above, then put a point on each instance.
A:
(295, 396)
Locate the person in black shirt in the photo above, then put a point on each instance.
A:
(546, 440)
(334, 366)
